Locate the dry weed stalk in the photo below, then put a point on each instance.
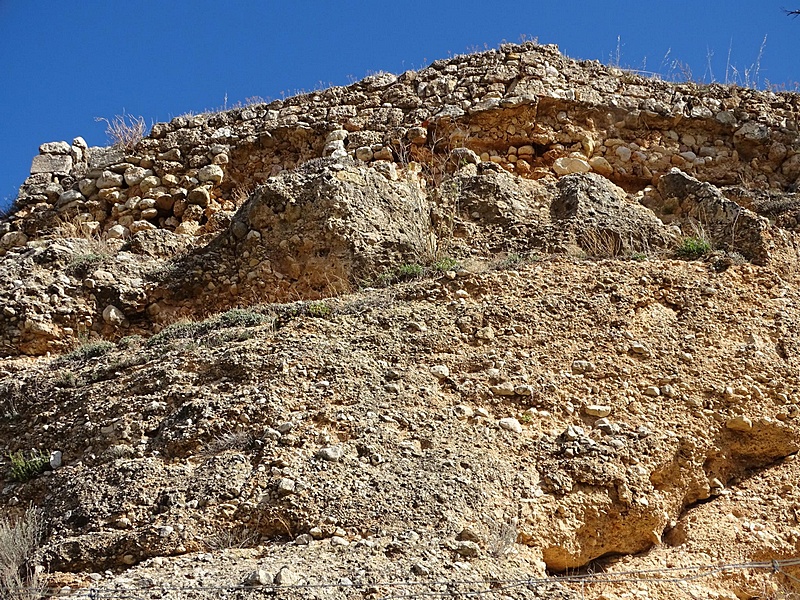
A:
(125, 131)
(19, 544)
(76, 228)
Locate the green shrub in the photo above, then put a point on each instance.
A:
(409, 271)
(130, 341)
(86, 351)
(446, 264)
(176, 331)
(319, 310)
(66, 379)
(241, 318)
(692, 248)
(23, 469)
(190, 330)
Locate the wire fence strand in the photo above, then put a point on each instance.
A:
(442, 588)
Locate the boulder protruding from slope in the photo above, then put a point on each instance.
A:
(601, 218)
(727, 225)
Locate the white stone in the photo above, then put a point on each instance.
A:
(330, 453)
(739, 424)
(440, 371)
(510, 424)
(503, 389)
(257, 578)
(286, 577)
(68, 197)
(118, 232)
(623, 152)
(338, 135)
(569, 165)
(55, 459)
(55, 148)
(148, 183)
(109, 180)
(334, 149)
(212, 173)
(135, 175)
(112, 315)
(597, 410)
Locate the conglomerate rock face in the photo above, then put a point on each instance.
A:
(460, 330)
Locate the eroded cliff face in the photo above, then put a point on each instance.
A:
(498, 319)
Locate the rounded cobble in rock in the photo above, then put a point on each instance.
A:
(109, 180)
(286, 486)
(257, 578)
(286, 577)
(331, 453)
(112, 315)
(597, 410)
(485, 333)
(119, 232)
(212, 173)
(503, 389)
(740, 423)
(199, 196)
(440, 371)
(510, 424)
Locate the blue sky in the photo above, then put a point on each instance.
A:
(63, 64)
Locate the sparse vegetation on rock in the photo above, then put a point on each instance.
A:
(448, 326)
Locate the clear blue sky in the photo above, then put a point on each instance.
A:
(62, 64)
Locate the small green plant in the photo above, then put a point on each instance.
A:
(81, 262)
(446, 263)
(409, 271)
(638, 256)
(86, 351)
(24, 469)
(191, 330)
(130, 341)
(176, 331)
(319, 310)
(66, 379)
(242, 318)
(692, 248)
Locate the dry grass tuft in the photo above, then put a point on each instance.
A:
(19, 543)
(124, 131)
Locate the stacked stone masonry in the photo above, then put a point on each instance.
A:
(508, 151)
(525, 107)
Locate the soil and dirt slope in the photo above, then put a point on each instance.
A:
(513, 324)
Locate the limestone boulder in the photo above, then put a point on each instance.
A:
(332, 223)
(728, 225)
(601, 218)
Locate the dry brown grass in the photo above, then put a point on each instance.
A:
(19, 544)
(124, 131)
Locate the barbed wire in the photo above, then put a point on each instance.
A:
(492, 585)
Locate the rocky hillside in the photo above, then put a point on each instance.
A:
(513, 325)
